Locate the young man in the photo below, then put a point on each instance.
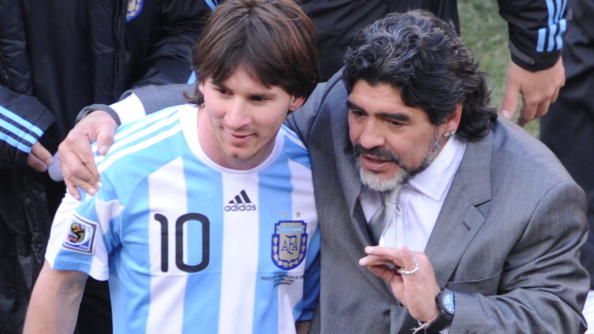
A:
(206, 215)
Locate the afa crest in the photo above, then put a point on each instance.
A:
(134, 8)
(81, 235)
(289, 243)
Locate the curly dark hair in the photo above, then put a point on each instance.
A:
(428, 63)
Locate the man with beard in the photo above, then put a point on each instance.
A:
(479, 226)
(483, 225)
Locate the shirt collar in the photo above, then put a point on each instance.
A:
(435, 180)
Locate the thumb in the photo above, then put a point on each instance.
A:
(510, 100)
(105, 139)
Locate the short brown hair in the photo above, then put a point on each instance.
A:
(272, 40)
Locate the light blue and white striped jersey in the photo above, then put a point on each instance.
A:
(189, 246)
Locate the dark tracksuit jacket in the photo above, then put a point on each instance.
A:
(57, 56)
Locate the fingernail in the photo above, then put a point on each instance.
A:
(103, 150)
(75, 196)
(506, 113)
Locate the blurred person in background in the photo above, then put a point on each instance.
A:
(55, 58)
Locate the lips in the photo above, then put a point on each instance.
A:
(239, 138)
(373, 163)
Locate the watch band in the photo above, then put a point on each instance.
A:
(445, 301)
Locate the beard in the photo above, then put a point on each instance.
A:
(405, 172)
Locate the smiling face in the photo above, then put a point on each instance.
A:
(240, 118)
(392, 142)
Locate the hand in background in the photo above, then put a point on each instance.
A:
(39, 158)
(538, 90)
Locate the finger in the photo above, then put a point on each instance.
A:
(529, 112)
(41, 153)
(72, 190)
(555, 95)
(83, 185)
(389, 255)
(79, 174)
(36, 163)
(105, 139)
(510, 99)
(76, 159)
(410, 259)
(533, 111)
(73, 169)
(386, 274)
(372, 260)
(543, 108)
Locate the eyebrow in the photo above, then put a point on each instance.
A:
(393, 117)
(264, 95)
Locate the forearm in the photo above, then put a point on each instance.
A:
(54, 304)
(23, 121)
(535, 31)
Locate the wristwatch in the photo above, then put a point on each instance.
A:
(446, 306)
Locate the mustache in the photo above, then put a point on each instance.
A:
(377, 152)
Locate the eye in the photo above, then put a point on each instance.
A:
(394, 122)
(258, 98)
(223, 91)
(358, 113)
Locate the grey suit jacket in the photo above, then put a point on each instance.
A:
(506, 241)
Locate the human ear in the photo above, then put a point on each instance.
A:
(453, 121)
(296, 102)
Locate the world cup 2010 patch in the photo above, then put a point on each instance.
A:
(289, 244)
(81, 235)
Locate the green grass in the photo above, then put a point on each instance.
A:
(485, 33)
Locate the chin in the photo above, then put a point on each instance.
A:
(379, 182)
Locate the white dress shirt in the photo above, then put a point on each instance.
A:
(422, 197)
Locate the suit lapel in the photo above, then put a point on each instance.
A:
(459, 218)
(348, 174)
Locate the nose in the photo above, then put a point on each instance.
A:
(371, 135)
(237, 115)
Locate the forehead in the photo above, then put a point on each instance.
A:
(382, 99)
(240, 79)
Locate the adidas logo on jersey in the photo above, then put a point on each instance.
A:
(241, 202)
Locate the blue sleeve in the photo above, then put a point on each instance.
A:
(87, 235)
(535, 30)
(23, 121)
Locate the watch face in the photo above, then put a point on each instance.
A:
(447, 302)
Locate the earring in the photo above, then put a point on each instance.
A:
(449, 133)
